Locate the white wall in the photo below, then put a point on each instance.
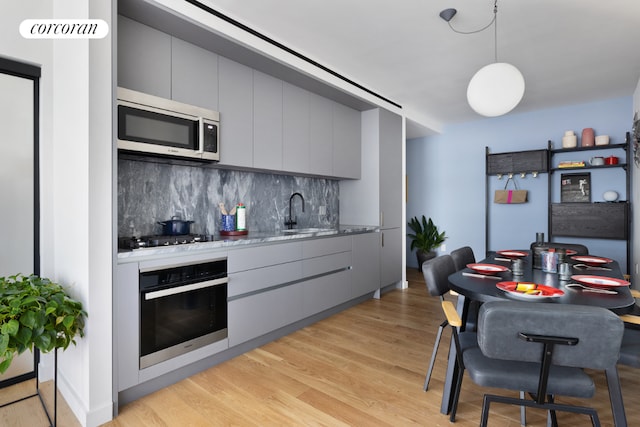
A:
(82, 192)
(76, 158)
(447, 175)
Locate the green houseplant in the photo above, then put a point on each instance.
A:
(425, 238)
(36, 312)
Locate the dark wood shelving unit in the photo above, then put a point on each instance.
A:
(600, 220)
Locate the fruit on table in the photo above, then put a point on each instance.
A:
(525, 286)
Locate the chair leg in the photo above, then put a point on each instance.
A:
(485, 411)
(552, 418)
(433, 355)
(523, 411)
(456, 395)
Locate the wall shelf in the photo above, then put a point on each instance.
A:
(600, 220)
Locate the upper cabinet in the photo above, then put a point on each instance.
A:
(144, 58)
(390, 170)
(320, 135)
(194, 75)
(265, 122)
(296, 129)
(346, 142)
(236, 113)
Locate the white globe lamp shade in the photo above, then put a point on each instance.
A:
(495, 89)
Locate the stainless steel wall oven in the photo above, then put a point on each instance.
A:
(182, 307)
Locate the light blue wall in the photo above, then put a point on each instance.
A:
(446, 175)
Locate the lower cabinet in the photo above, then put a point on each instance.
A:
(390, 256)
(303, 280)
(255, 315)
(365, 276)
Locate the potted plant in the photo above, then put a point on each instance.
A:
(36, 312)
(425, 238)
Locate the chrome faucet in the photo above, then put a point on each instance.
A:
(292, 221)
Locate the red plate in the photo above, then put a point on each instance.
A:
(600, 281)
(512, 254)
(570, 252)
(487, 268)
(591, 260)
(529, 290)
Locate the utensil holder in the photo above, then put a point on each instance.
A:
(228, 223)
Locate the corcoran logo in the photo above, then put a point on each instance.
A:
(64, 28)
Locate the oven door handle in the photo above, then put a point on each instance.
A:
(186, 288)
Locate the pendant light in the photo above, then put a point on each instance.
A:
(497, 88)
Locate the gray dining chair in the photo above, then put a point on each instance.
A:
(541, 348)
(630, 347)
(462, 256)
(436, 272)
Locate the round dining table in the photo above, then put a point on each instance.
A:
(474, 286)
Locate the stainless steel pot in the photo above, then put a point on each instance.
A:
(175, 226)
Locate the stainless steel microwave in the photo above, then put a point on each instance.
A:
(163, 127)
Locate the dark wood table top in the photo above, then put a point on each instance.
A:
(484, 289)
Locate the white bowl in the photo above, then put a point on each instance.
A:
(610, 196)
(602, 139)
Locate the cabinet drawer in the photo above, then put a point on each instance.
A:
(262, 313)
(325, 264)
(323, 293)
(331, 245)
(599, 220)
(244, 282)
(262, 256)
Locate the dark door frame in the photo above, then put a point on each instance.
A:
(33, 73)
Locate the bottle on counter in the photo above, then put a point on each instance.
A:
(537, 248)
(241, 217)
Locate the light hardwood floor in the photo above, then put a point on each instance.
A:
(362, 367)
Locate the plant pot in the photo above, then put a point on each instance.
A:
(424, 256)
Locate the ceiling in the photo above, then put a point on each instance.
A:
(569, 51)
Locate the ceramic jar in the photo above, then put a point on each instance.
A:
(588, 138)
(569, 140)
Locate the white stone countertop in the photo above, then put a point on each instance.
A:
(227, 242)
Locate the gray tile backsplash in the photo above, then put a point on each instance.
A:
(150, 192)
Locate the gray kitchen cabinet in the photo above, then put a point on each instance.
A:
(194, 75)
(391, 242)
(320, 135)
(236, 113)
(376, 198)
(144, 58)
(365, 276)
(276, 285)
(126, 300)
(295, 129)
(259, 256)
(267, 122)
(261, 313)
(325, 292)
(346, 142)
(328, 263)
(390, 134)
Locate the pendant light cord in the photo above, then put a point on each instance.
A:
(494, 19)
(495, 30)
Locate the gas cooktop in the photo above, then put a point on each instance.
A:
(131, 243)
